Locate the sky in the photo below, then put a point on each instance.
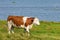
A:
(43, 9)
(29, 3)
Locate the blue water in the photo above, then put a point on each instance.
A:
(43, 9)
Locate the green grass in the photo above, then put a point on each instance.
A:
(46, 31)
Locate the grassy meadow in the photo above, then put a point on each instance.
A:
(46, 31)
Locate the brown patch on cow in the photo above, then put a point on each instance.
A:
(17, 20)
(29, 21)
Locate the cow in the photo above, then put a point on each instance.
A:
(21, 22)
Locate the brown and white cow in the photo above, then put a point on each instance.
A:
(21, 21)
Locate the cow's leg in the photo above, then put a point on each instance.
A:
(12, 29)
(27, 29)
(9, 27)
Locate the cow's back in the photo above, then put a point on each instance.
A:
(17, 20)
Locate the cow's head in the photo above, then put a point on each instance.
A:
(36, 21)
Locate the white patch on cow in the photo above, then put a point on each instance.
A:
(24, 19)
(22, 26)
